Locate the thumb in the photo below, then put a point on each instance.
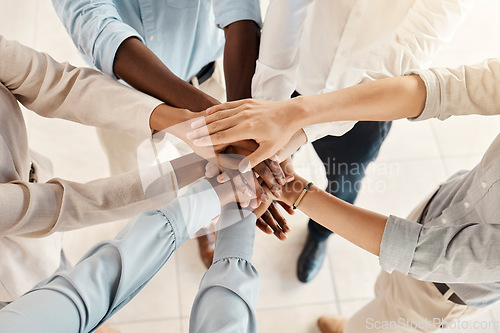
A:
(261, 154)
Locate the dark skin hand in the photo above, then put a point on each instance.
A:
(142, 69)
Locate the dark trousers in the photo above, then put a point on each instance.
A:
(345, 159)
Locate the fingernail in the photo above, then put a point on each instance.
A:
(190, 135)
(222, 178)
(289, 178)
(269, 230)
(264, 197)
(244, 165)
(278, 192)
(282, 181)
(247, 192)
(197, 123)
(275, 158)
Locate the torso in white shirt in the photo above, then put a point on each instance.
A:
(337, 32)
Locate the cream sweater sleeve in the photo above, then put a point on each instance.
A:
(83, 95)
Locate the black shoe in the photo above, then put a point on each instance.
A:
(311, 258)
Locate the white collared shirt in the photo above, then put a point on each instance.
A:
(317, 46)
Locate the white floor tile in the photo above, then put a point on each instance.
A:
(354, 269)
(191, 270)
(396, 187)
(157, 301)
(51, 36)
(467, 135)
(349, 308)
(297, 319)
(164, 326)
(18, 20)
(409, 141)
(276, 263)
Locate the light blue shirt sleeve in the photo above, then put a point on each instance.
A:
(230, 11)
(96, 29)
(112, 272)
(226, 300)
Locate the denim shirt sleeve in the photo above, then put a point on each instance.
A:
(227, 298)
(96, 29)
(230, 11)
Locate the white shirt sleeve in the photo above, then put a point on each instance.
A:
(276, 71)
(428, 26)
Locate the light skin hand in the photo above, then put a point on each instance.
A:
(270, 124)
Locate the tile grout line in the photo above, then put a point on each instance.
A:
(179, 296)
(334, 284)
(440, 150)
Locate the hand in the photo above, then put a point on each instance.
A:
(269, 170)
(270, 124)
(270, 220)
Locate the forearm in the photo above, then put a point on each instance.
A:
(240, 55)
(387, 99)
(357, 225)
(142, 69)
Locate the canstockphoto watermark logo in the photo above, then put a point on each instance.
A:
(430, 324)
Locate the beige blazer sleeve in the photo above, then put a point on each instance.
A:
(83, 95)
(39, 209)
(461, 91)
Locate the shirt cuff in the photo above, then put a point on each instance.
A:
(193, 210)
(433, 99)
(398, 244)
(230, 11)
(108, 42)
(337, 128)
(272, 84)
(235, 235)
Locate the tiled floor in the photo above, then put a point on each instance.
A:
(413, 160)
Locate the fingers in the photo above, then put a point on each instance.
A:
(211, 128)
(261, 154)
(266, 174)
(211, 170)
(224, 137)
(263, 226)
(278, 174)
(287, 208)
(226, 106)
(269, 220)
(273, 209)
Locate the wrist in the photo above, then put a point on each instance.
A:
(298, 114)
(293, 190)
(164, 116)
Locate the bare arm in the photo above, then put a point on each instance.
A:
(142, 69)
(357, 225)
(240, 55)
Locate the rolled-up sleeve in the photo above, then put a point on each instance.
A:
(96, 29)
(398, 244)
(230, 11)
(466, 253)
(461, 91)
(226, 300)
